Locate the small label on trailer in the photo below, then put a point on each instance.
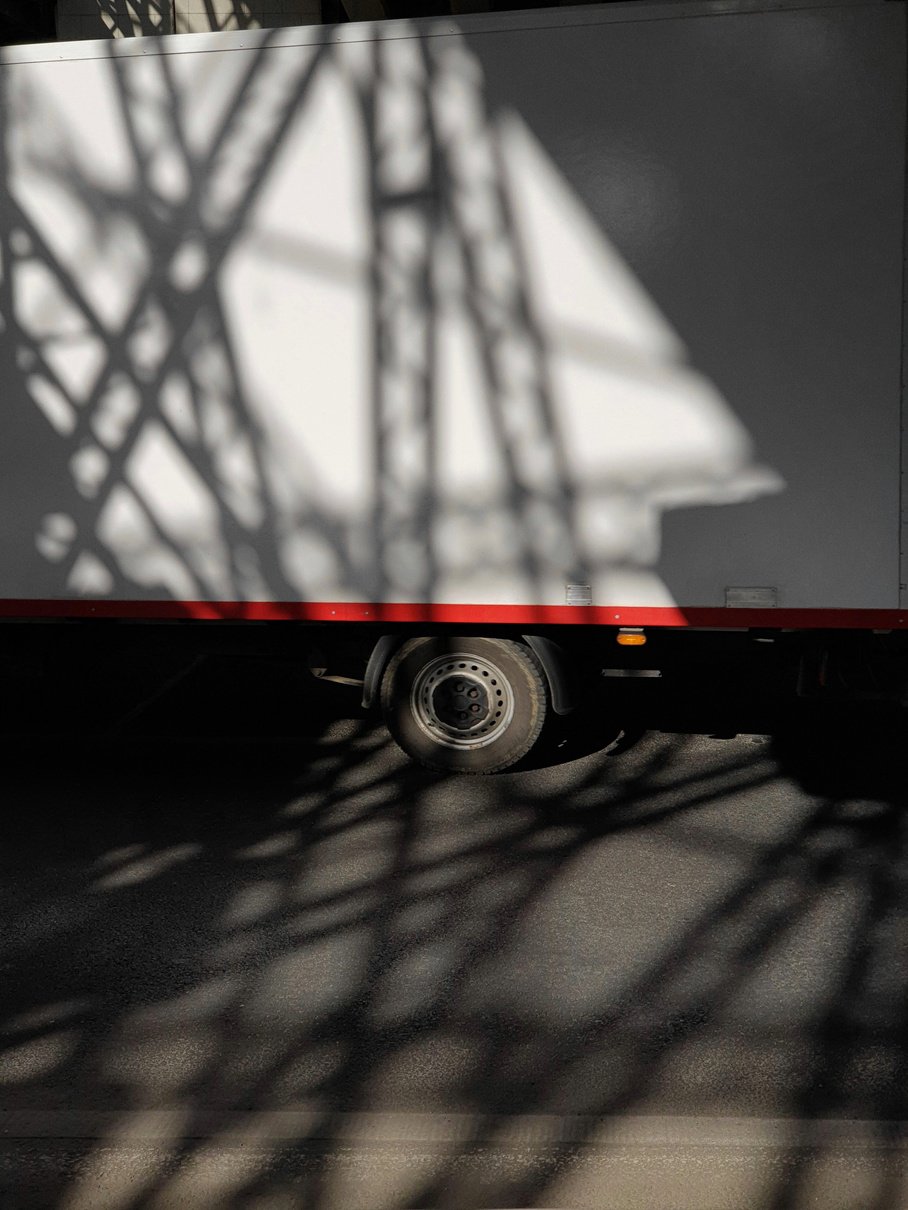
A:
(578, 594)
(751, 598)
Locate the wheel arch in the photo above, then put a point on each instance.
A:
(554, 660)
(557, 669)
(378, 661)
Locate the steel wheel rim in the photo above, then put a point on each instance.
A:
(446, 709)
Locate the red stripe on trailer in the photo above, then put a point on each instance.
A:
(460, 615)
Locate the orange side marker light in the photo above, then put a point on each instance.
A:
(630, 637)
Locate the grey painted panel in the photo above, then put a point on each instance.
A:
(750, 169)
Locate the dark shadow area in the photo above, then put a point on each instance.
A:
(102, 681)
(239, 928)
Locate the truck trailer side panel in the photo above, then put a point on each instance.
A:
(588, 314)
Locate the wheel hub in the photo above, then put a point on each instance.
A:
(462, 701)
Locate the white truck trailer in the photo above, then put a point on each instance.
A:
(483, 342)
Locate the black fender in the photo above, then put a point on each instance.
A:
(376, 665)
(557, 669)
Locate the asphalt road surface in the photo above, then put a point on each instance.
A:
(250, 958)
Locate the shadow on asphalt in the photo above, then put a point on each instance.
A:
(242, 897)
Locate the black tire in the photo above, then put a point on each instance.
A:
(464, 704)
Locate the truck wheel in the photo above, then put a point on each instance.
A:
(464, 705)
